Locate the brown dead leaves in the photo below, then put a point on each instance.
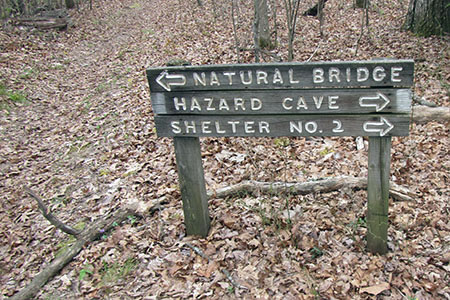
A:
(86, 142)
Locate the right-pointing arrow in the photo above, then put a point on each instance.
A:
(379, 101)
(383, 126)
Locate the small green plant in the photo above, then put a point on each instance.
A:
(148, 31)
(230, 289)
(112, 272)
(326, 151)
(282, 142)
(9, 98)
(26, 74)
(132, 219)
(87, 269)
(315, 252)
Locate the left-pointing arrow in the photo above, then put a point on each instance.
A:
(379, 101)
(383, 127)
(167, 80)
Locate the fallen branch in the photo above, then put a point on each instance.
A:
(49, 216)
(423, 114)
(90, 234)
(43, 23)
(318, 186)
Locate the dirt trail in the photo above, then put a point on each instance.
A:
(85, 141)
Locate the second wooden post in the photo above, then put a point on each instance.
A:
(378, 193)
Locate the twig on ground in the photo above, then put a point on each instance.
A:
(83, 238)
(49, 216)
(317, 186)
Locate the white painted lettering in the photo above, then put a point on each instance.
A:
(318, 75)
(230, 77)
(285, 105)
(334, 73)
(179, 104)
(277, 78)
(348, 73)
(379, 74)
(218, 129)
(395, 74)
(248, 127)
(190, 127)
(249, 79)
(362, 74)
(239, 102)
(301, 103)
(291, 77)
(210, 102)
(263, 126)
(223, 104)
(311, 126)
(295, 127)
(255, 104)
(214, 79)
(195, 105)
(261, 76)
(332, 102)
(199, 79)
(205, 127)
(233, 125)
(175, 127)
(318, 101)
(338, 127)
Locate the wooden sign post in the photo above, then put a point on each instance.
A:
(358, 98)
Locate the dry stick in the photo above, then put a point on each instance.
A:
(49, 216)
(315, 51)
(224, 271)
(88, 235)
(423, 114)
(319, 186)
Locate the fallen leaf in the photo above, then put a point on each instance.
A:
(375, 289)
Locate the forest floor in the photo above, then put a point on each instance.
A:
(76, 126)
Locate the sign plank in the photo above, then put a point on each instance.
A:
(383, 73)
(319, 101)
(282, 125)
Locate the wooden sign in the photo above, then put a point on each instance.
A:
(382, 73)
(283, 99)
(358, 98)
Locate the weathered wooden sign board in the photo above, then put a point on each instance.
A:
(358, 98)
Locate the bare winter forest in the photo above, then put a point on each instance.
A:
(77, 128)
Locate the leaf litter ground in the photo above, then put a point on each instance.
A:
(85, 141)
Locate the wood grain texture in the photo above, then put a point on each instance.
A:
(282, 125)
(352, 74)
(318, 101)
(378, 194)
(192, 185)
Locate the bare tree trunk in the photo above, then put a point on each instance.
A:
(236, 40)
(70, 4)
(291, 17)
(275, 25)
(428, 17)
(261, 13)
(256, 31)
